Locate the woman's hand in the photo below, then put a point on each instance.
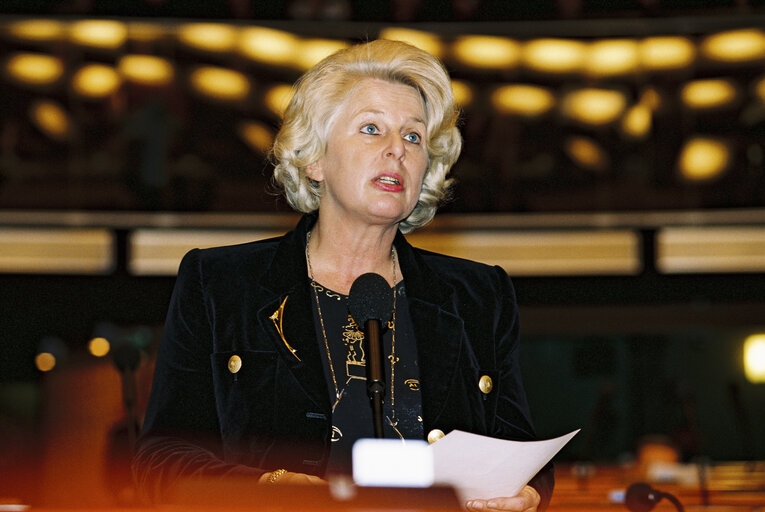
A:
(281, 476)
(526, 501)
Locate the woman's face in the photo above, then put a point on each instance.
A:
(376, 155)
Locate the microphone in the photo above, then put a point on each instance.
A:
(126, 358)
(370, 302)
(641, 497)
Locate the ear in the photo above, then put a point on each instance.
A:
(315, 171)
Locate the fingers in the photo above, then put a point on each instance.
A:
(288, 477)
(526, 501)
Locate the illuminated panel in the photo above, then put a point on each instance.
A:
(269, 46)
(554, 55)
(594, 106)
(586, 153)
(522, 100)
(37, 30)
(159, 251)
(759, 89)
(540, 253)
(612, 57)
(220, 83)
(735, 46)
(146, 69)
(312, 51)
(210, 37)
(277, 98)
(56, 251)
(51, 119)
(754, 358)
(711, 93)
(96, 81)
(256, 135)
(703, 158)
(463, 93)
(487, 52)
(107, 34)
(710, 249)
(637, 121)
(427, 41)
(34, 69)
(666, 53)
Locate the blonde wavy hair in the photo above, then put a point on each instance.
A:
(316, 101)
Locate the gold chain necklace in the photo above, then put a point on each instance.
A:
(392, 357)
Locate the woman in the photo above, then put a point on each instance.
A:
(260, 371)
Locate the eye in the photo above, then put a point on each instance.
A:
(414, 138)
(370, 129)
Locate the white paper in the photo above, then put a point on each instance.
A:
(480, 467)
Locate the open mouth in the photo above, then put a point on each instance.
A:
(388, 180)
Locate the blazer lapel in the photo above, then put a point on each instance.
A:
(437, 328)
(287, 315)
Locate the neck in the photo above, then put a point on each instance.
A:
(338, 255)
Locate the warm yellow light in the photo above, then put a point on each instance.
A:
(45, 361)
(463, 93)
(146, 69)
(34, 69)
(522, 100)
(612, 57)
(759, 89)
(96, 81)
(754, 358)
(594, 106)
(220, 83)
(554, 55)
(257, 135)
(51, 119)
(145, 32)
(650, 98)
(269, 45)
(37, 30)
(703, 158)
(637, 121)
(735, 46)
(314, 50)
(586, 152)
(99, 347)
(427, 41)
(210, 37)
(99, 33)
(708, 93)
(277, 98)
(666, 52)
(487, 52)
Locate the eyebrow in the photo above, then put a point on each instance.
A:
(381, 113)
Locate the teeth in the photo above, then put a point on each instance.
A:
(388, 179)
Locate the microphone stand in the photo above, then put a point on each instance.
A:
(375, 374)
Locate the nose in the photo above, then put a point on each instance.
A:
(395, 147)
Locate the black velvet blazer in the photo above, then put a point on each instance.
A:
(211, 415)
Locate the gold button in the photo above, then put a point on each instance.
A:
(434, 435)
(485, 384)
(234, 363)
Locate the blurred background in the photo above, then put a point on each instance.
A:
(614, 165)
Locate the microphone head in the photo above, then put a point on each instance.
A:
(641, 497)
(370, 298)
(126, 356)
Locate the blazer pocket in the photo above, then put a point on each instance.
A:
(244, 383)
